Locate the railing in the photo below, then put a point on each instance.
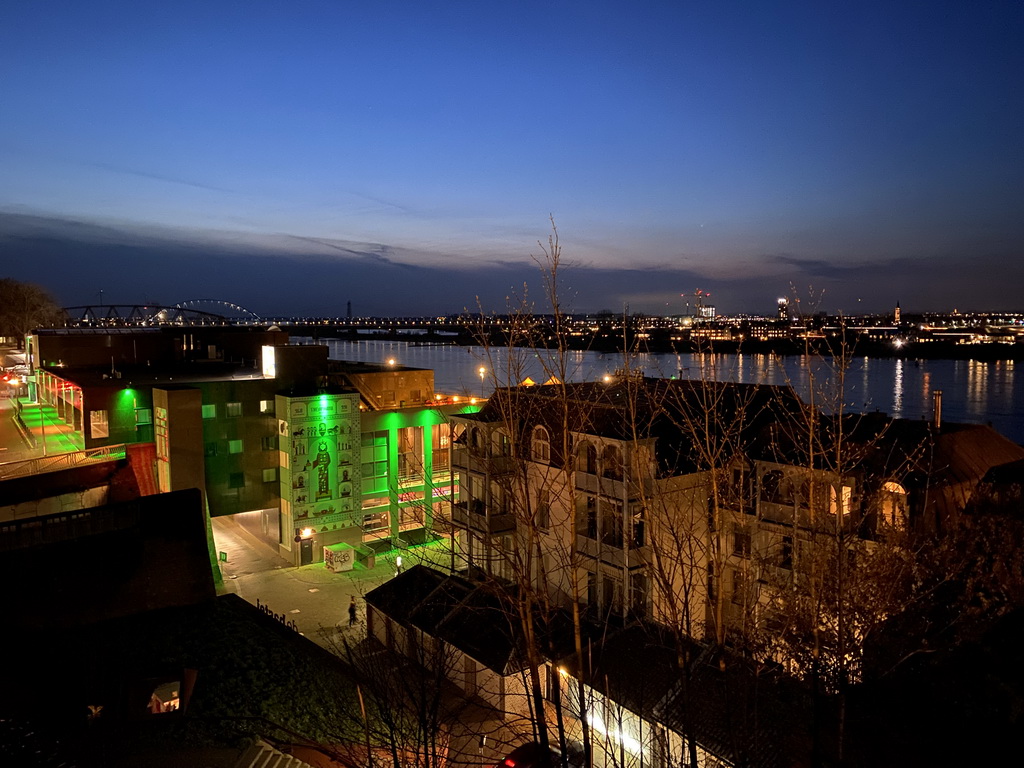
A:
(58, 461)
(473, 514)
(468, 460)
(616, 556)
(68, 526)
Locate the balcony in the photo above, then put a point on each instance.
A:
(473, 514)
(469, 461)
(617, 557)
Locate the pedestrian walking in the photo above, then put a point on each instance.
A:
(352, 612)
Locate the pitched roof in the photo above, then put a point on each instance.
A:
(690, 421)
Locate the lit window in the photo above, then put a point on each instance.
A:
(233, 409)
(893, 506)
(266, 406)
(235, 446)
(209, 411)
(269, 475)
(143, 416)
(98, 424)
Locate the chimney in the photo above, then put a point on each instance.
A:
(938, 410)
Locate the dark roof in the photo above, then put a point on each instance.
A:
(692, 422)
(911, 451)
(399, 597)
(476, 618)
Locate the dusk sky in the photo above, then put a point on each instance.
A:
(406, 156)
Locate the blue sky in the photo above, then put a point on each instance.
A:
(406, 155)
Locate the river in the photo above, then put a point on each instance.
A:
(972, 391)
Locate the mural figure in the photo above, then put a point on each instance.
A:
(322, 463)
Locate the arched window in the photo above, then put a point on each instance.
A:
(893, 508)
(586, 458)
(612, 462)
(541, 449)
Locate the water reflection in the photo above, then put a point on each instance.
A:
(897, 390)
(972, 391)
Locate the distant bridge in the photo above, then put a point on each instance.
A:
(191, 312)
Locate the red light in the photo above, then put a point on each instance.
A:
(510, 762)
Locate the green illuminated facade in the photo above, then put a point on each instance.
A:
(305, 453)
(361, 477)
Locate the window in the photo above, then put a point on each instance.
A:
(440, 442)
(638, 595)
(98, 424)
(269, 443)
(741, 541)
(893, 506)
(410, 453)
(502, 444)
(266, 406)
(236, 480)
(612, 462)
(269, 475)
(209, 411)
(543, 511)
(611, 524)
(785, 559)
(541, 449)
(233, 410)
(612, 594)
(210, 449)
(771, 487)
(476, 441)
(740, 587)
(587, 516)
(235, 446)
(375, 461)
(637, 520)
(143, 416)
(841, 500)
(499, 500)
(586, 458)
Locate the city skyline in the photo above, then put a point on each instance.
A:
(406, 157)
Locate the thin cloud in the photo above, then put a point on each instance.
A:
(160, 177)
